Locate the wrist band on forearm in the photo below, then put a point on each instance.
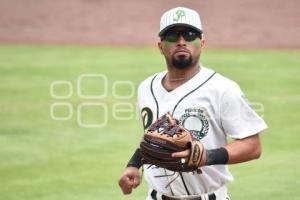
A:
(217, 156)
(136, 160)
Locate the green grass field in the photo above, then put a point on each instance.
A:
(46, 159)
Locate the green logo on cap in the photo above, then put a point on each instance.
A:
(179, 14)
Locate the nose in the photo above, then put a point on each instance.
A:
(181, 41)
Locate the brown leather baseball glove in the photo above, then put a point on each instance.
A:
(166, 136)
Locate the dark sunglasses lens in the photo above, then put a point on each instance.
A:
(189, 36)
(171, 37)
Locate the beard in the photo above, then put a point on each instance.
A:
(182, 62)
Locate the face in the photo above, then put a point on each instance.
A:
(181, 47)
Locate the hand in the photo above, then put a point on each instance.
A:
(186, 155)
(182, 154)
(130, 179)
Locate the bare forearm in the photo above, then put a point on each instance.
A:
(244, 149)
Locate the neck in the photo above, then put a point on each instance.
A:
(183, 75)
(176, 77)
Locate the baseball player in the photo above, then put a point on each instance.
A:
(209, 105)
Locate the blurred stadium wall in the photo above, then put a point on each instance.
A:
(227, 24)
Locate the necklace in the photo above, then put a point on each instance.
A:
(185, 78)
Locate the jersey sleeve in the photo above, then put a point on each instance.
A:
(139, 97)
(238, 118)
(142, 92)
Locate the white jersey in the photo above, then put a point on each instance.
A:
(211, 107)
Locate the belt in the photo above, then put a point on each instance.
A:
(154, 195)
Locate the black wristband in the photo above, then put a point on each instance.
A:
(136, 160)
(217, 156)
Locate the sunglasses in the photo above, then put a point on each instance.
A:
(173, 36)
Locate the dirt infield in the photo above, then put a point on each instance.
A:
(227, 24)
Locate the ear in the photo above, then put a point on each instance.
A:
(160, 47)
(202, 43)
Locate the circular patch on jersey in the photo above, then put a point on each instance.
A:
(147, 117)
(196, 121)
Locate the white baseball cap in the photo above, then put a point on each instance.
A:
(180, 16)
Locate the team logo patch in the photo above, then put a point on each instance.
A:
(179, 14)
(196, 121)
(147, 117)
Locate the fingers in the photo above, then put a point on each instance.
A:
(126, 185)
(129, 180)
(181, 154)
(136, 182)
